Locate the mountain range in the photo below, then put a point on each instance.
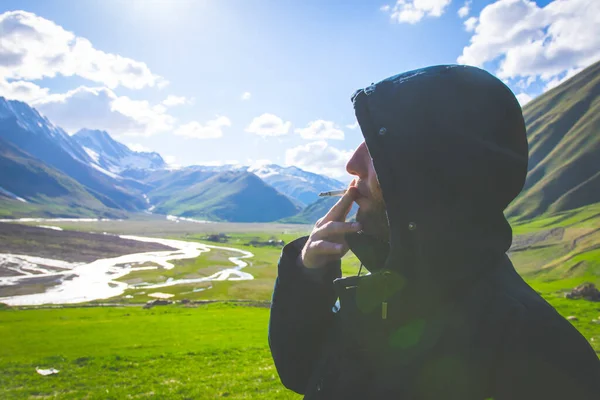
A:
(114, 156)
(47, 172)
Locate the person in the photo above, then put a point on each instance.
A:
(441, 313)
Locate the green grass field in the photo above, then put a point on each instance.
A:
(220, 350)
(208, 352)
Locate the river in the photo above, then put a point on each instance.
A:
(82, 282)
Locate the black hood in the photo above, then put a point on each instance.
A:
(450, 150)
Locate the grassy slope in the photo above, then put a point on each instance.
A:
(168, 183)
(553, 267)
(49, 192)
(230, 196)
(314, 211)
(562, 128)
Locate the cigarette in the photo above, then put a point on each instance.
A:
(333, 193)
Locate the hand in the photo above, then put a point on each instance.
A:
(326, 242)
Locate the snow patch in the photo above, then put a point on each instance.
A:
(11, 194)
(93, 155)
(175, 218)
(105, 172)
(56, 228)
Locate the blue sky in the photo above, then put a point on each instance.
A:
(169, 76)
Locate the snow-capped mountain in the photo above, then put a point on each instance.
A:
(114, 156)
(296, 183)
(40, 128)
(23, 127)
(302, 186)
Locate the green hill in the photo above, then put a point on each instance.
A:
(563, 129)
(169, 183)
(316, 210)
(561, 250)
(29, 187)
(236, 196)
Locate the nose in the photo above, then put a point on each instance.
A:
(358, 163)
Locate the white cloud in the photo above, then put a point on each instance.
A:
(525, 83)
(33, 47)
(319, 157)
(171, 101)
(385, 8)
(253, 164)
(523, 98)
(246, 96)
(138, 147)
(471, 24)
(169, 159)
(352, 126)
(219, 163)
(22, 91)
(558, 80)
(320, 129)
(213, 129)
(268, 125)
(531, 41)
(465, 9)
(412, 11)
(101, 108)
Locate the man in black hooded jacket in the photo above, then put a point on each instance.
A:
(442, 314)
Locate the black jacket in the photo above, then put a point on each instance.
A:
(443, 314)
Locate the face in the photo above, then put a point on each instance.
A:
(371, 213)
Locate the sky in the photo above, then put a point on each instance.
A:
(251, 82)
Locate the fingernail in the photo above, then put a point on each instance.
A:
(356, 225)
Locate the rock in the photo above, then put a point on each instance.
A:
(185, 301)
(159, 295)
(572, 318)
(587, 291)
(45, 372)
(157, 302)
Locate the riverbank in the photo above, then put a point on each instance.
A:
(48, 281)
(51, 242)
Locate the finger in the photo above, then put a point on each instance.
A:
(335, 228)
(325, 247)
(340, 210)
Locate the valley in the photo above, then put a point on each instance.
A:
(115, 264)
(216, 327)
(157, 157)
